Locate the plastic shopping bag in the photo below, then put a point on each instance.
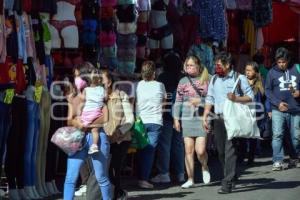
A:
(240, 120)
(139, 138)
(68, 139)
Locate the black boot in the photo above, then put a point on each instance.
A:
(226, 187)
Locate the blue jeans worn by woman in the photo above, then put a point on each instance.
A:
(146, 155)
(280, 121)
(170, 149)
(100, 164)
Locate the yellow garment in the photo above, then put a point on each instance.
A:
(250, 34)
(12, 73)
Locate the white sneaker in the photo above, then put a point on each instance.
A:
(93, 149)
(161, 178)
(277, 166)
(145, 185)
(206, 176)
(188, 184)
(81, 191)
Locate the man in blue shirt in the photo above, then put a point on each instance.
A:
(219, 90)
(282, 90)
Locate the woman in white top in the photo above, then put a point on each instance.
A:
(150, 95)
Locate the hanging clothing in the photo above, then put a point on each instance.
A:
(37, 28)
(212, 19)
(12, 39)
(1, 7)
(244, 4)
(235, 30)
(259, 38)
(2, 39)
(8, 4)
(277, 32)
(231, 4)
(47, 6)
(20, 77)
(262, 12)
(21, 34)
(250, 34)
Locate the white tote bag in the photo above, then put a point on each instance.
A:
(240, 120)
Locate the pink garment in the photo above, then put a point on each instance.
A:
(141, 52)
(87, 117)
(259, 38)
(107, 39)
(30, 44)
(2, 41)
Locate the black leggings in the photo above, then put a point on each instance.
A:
(14, 162)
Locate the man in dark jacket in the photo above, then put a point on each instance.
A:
(282, 90)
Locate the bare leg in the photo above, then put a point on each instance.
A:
(201, 151)
(189, 145)
(95, 134)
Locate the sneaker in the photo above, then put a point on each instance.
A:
(188, 184)
(81, 191)
(277, 166)
(145, 185)
(206, 176)
(123, 195)
(294, 163)
(161, 178)
(93, 149)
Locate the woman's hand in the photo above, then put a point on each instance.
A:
(194, 102)
(176, 125)
(206, 123)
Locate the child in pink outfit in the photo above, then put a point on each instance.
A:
(93, 93)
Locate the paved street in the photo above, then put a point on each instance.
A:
(256, 183)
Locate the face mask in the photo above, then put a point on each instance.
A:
(191, 71)
(80, 83)
(219, 70)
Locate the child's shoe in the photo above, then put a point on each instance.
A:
(93, 149)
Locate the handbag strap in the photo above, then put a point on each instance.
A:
(194, 86)
(235, 84)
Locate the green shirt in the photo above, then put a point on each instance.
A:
(263, 71)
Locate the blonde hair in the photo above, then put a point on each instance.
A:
(148, 70)
(202, 70)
